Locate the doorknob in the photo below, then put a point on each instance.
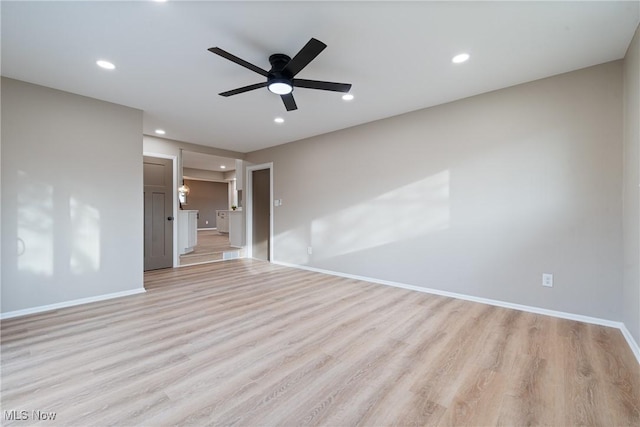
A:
(169, 218)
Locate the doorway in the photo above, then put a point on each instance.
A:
(260, 215)
(213, 196)
(158, 213)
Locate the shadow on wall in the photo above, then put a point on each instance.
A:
(37, 234)
(400, 214)
(418, 232)
(403, 213)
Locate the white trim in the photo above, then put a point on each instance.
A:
(200, 263)
(248, 227)
(43, 308)
(632, 343)
(174, 196)
(530, 309)
(249, 207)
(191, 178)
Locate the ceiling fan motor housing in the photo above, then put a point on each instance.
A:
(278, 73)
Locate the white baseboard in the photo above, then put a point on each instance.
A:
(632, 343)
(530, 309)
(200, 263)
(43, 308)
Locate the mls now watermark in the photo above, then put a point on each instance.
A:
(35, 415)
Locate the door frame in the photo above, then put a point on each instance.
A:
(174, 197)
(249, 207)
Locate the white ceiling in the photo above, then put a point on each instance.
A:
(397, 55)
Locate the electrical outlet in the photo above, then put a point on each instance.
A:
(206, 222)
(309, 250)
(547, 280)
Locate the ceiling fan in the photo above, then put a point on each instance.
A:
(280, 78)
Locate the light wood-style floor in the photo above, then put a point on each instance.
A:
(212, 246)
(248, 343)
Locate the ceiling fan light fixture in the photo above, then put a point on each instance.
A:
(280, 87)
(347, 97)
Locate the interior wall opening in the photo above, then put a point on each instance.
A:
(210, 216)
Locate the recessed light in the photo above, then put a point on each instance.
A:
(278, 120)
(459, 59)
(223, 167)
(160, 132)
(347, 97)
(105, 64)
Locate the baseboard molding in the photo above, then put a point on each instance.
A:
(530, 309)
(632, 343)
(43, 308)
(199, 263)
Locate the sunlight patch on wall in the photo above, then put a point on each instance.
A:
(404, 213)
(85, 237)
(35, 226)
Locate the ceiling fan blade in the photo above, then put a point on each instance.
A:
(289, 102)
(237, 60)
(306, 55)
(316, 84)
(243, 89)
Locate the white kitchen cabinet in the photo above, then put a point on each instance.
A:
(187, 231)
(236, 229)
(222, 221)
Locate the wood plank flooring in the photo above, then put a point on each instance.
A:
(212, 246)
(247, 343)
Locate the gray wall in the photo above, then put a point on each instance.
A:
(631, 197)
(206, 197)
(479, 196)
(72, 224)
